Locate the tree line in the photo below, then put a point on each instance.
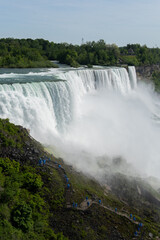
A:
(24, 53)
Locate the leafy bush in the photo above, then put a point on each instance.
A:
(21, 217)
(32, 181)
(8, 166)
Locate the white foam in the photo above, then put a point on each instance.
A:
(93, 113)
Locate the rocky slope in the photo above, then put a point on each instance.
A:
(52, 197)
(145, 72)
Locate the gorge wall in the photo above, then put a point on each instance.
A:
(144, 72)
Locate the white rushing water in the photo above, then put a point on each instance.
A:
(90, 115)
(22, 102)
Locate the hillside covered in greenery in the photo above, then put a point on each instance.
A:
(25, 53)
(24, 207)
(49, 200)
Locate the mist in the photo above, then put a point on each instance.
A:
(99, 121)
(114, 132)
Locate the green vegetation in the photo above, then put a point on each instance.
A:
(24, 211)
(25, 189)
(25, 53)
(10, 135)
(84, 186)
(140, 55)
(34, 199)
(156, 80)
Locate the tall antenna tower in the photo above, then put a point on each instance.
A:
(82, 41)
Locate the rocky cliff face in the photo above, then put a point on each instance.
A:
(146, 71)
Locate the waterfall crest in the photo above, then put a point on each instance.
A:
(54, 103)
(86, 114)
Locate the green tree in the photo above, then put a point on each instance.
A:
(32, 181)
(21, 217)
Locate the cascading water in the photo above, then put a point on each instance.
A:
(132, 76)
(22, 102)
(86, 114)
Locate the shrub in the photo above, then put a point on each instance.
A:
(9, 166)
(32, 181)
(21, 217)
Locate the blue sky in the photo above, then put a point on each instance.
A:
(115, 21)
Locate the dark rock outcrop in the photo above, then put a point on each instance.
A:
(145, 72)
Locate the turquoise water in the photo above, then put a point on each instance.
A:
(10, 76)
(28, 75)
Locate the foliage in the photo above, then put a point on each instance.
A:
(10, 136)
(24, 190)
(156, 80)
(23, 203)
(32, 200)
(21, 217)
(25, 53)
(130, 60)
(32, 181)
(9, 166)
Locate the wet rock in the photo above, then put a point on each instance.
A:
(36, 151)
(147, 71)
(27, 143)
(150, 235)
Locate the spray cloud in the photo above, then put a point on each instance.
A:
(94, 118)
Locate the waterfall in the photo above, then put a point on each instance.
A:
(51, 105)
(86, 114)
(113, 79)
(132, 76)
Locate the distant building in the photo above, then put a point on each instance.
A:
(131, 52)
